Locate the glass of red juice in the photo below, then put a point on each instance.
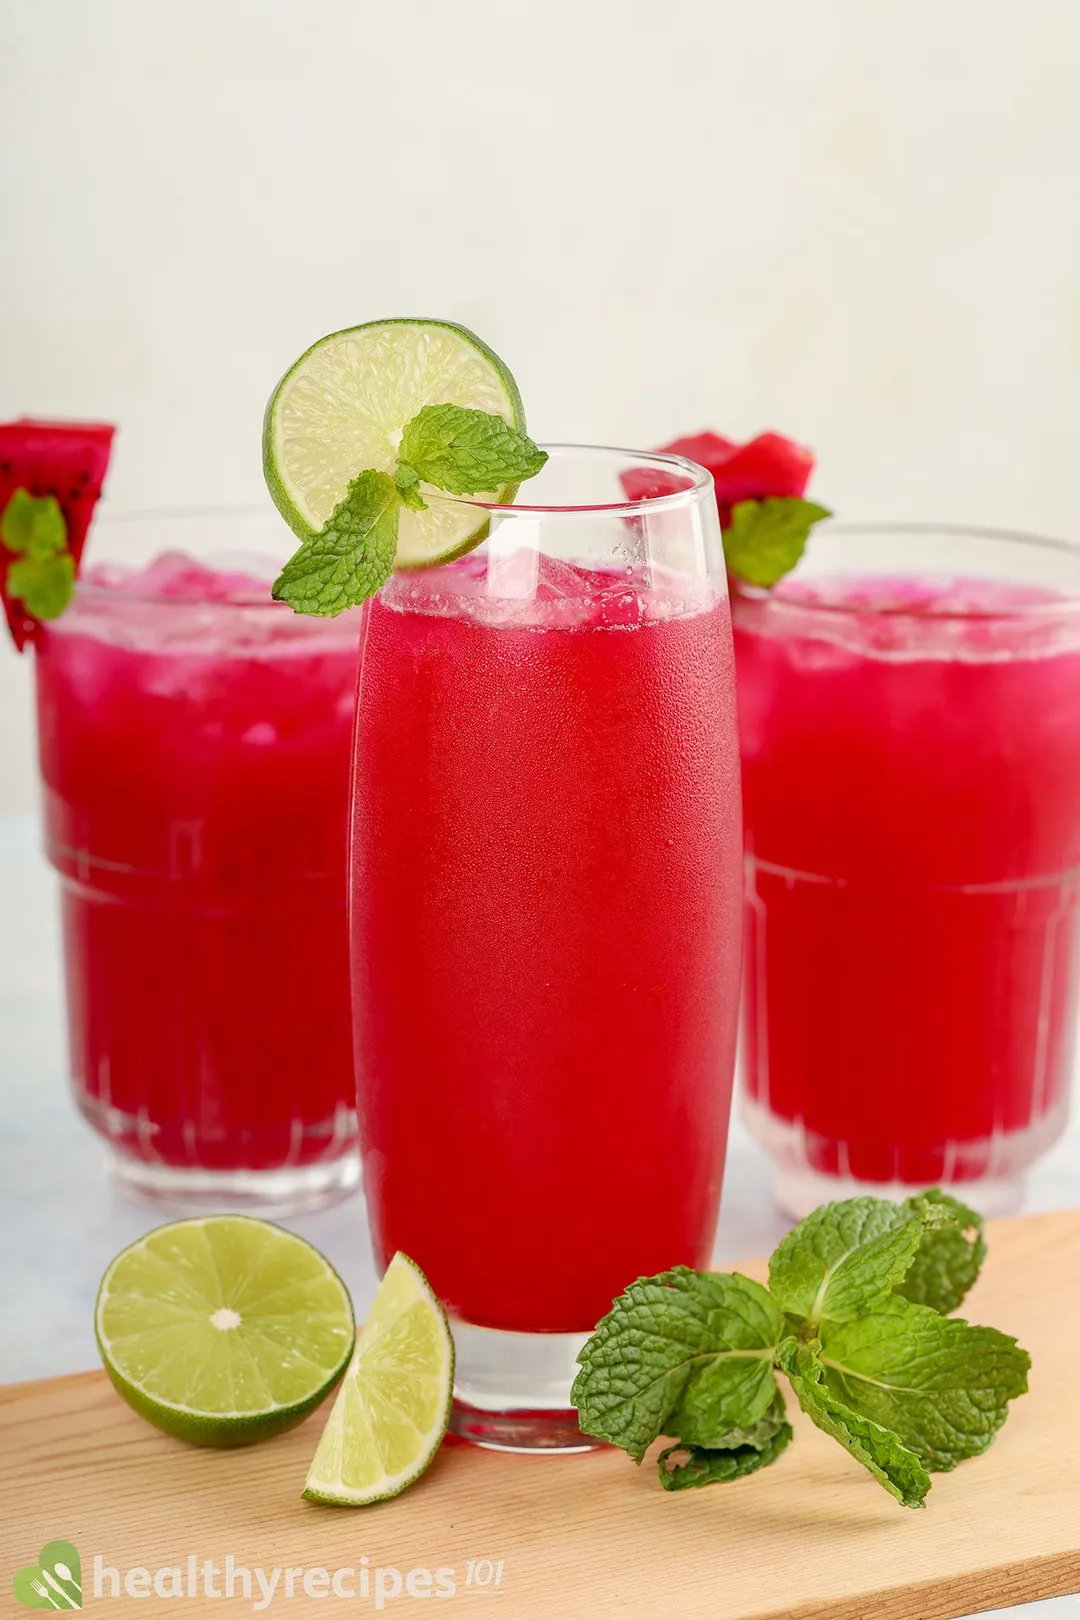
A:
(909, 703)
(194, 742)
(546, 918)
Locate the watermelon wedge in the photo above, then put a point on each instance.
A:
(65, 459)
(764, 467)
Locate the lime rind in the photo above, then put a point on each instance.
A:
(341, 409)
(393, 1406)
(292, 1337)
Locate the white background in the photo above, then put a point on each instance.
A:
(853, 221)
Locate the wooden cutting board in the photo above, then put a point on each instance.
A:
(812, 1538)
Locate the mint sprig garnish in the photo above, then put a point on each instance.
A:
(42, 573)
(352, 554)
(766, 538)
(905, 1389)
(447, 447)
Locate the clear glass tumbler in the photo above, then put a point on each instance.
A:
(545, 917)
(194, 741)
(910, 715)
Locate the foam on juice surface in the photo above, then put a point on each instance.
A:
(207, 638)
(181, 606)
(829, 619)
(946, 596)
(527, 589)
(177, 575)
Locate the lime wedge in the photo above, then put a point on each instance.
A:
(393, 1406)
(342, 408)
(223, 1329)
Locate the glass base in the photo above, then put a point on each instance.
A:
(990, 1176)
(293, 1190)
(798, 1192)
(512, 1390)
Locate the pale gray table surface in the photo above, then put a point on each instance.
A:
(61, 1220)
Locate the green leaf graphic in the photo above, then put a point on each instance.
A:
(54, 1582)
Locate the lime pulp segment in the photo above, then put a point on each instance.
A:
(393, 1406)
(341, 409)
(223, 1329)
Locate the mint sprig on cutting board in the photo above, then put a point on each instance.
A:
(852, 1318)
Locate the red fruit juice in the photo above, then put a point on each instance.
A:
(911, 777)
(546, 893)
(194, 742)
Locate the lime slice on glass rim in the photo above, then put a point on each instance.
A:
(343, 405)
(223, 1329)
(393, 1407)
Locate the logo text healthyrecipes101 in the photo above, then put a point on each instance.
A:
(55, 1581)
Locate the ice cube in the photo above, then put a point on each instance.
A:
(557, 579)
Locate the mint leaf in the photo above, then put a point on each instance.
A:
(352, 554)
(407, 484)
(46, 585)
(681, 1329)
(939, 1383)
(844, 1259)
(735, 1388)
(892, 1464)
(467, 452)
(34, 526)
(745, 1452)
(950, 1255)
(765, 539)
(759, 1433)
(42, 576)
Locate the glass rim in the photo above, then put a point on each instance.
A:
(1064, 605)
(700, 479)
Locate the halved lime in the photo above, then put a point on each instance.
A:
(223, 1329)
(342, 407)
(393, 1406)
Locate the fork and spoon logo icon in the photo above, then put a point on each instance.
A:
(54, 1582)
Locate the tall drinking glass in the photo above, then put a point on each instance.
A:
(545, 920)
(194, 743)
(910, 712)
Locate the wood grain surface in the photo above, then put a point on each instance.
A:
(812, 1538)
